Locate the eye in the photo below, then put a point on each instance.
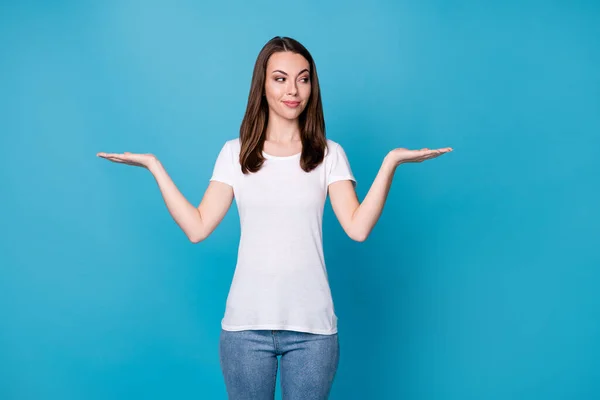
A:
(278, 79)
(305, 79)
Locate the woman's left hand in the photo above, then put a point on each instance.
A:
(401, 155)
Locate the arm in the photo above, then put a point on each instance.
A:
(356, 219)
(197, 223)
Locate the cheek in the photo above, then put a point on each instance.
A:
(306, 90)
(273, 91)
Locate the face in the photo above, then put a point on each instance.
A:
(287, 84)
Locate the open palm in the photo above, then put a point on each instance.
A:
(139, 160)
(402, 155)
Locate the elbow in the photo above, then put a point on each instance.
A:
(198, 233)
(359, 236)
(196, 238)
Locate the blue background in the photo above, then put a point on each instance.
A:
(479, 281)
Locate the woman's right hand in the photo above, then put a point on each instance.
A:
(138, 160)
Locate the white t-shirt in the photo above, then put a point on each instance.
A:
(280, 280)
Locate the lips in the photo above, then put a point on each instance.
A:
(292, 104)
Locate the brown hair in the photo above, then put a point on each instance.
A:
(254, 124)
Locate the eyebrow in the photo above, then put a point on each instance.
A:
(278, 70)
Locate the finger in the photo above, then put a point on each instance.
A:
(128, 162)
(116, 159)
(430, 156)
(119, 159)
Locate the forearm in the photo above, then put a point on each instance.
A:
(183, 212)
(368, 212)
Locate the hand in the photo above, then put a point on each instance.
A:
(139, 160)
(401, 155)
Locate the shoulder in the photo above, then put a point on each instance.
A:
(232, 145)
(332, 147)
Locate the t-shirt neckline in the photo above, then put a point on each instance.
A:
(270, 156)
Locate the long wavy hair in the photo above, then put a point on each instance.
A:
(254, 125)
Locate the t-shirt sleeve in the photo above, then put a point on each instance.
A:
(223, 170)
(339, 166)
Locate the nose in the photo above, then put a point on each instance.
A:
(292, 89)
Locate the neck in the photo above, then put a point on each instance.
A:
(282, 130)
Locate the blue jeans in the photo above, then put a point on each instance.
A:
(249, 363)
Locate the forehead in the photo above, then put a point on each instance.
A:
(287, 61)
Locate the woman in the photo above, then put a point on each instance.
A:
(280, 170)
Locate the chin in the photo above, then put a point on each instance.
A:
(291, 114)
